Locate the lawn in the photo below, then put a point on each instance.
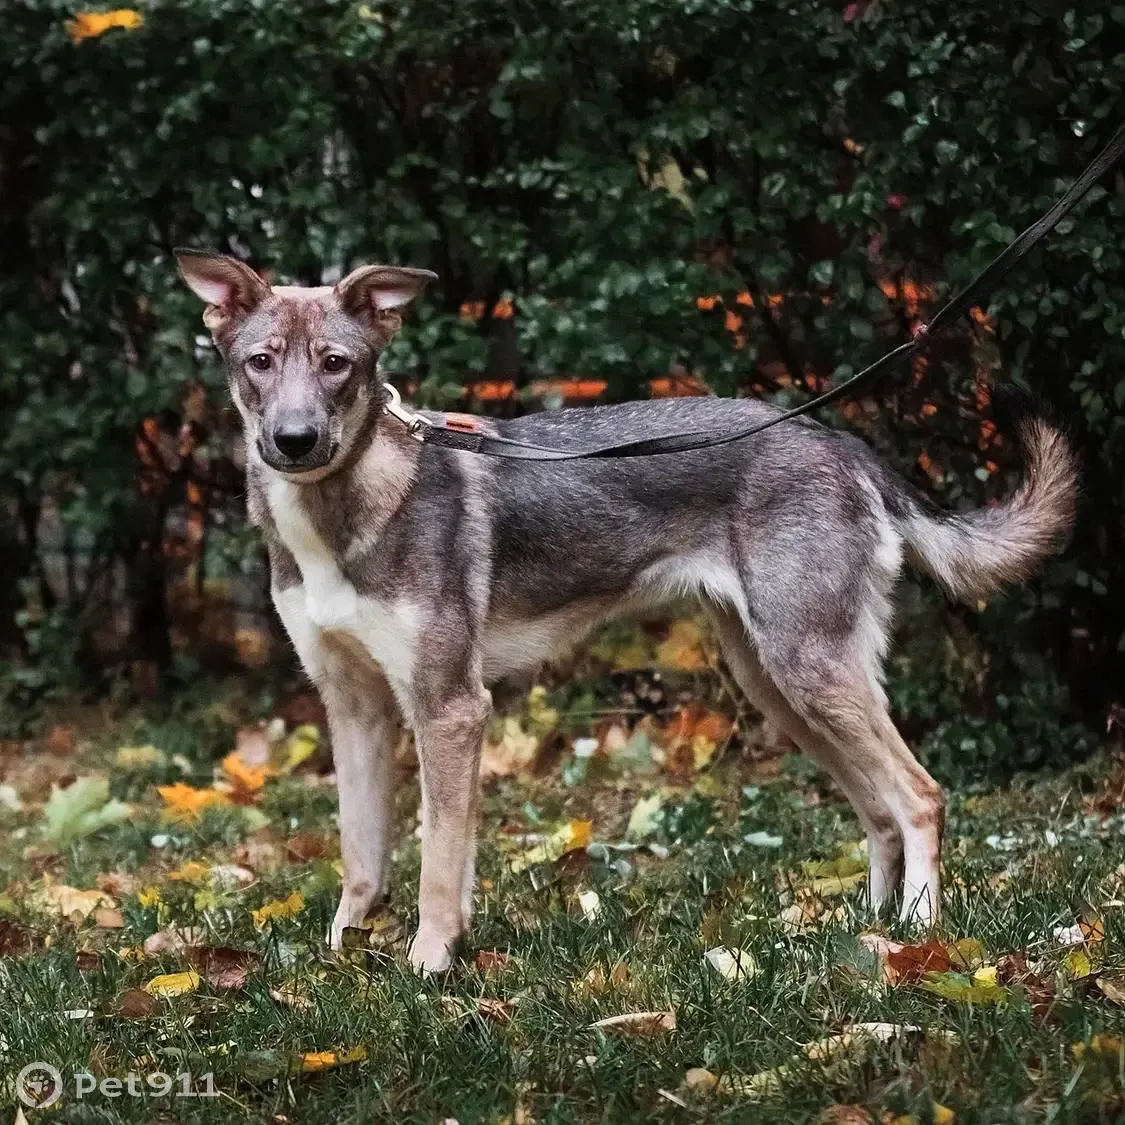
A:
(647, 852)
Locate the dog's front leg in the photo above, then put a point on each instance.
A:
(364, 722)
(448, 735)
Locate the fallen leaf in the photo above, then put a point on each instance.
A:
(16, 940)
(596, 981)
(1107, 1046)
(491, 961)
(301, 745)
(683, 648)
(1078, 964)
(590, 904)
(224, 968)
(70, 902)
(291, 996)
(230, 876)
(109, 918)
(252, 745)
(87, 961)
(193, 872)
(279, 909)
(173, 984)
(512, 752)
(966, 954)
(981, 988)
(1012, 970)
(134, 1004)
(637, 1023)
(184, 803)
(81, 809)
(138, 757)
(846, 1115)
(1112, 987)
(246, 781)
(763, 840)
(175, 939)
(910, 963)
(732, 964)
(499, 1011)
(647, 816)
(568, 837)
(305, 846)
(328, 1060)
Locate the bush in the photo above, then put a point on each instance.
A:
(827, 173)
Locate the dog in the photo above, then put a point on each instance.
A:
(410, 578)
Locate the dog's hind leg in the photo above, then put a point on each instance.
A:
(831, 686)
(884, 841)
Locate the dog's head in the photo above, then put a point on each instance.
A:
(301, 361)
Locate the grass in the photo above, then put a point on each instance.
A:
(513, 1042)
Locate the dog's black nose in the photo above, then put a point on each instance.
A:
(295, 439)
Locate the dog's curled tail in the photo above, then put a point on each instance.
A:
(973, 554)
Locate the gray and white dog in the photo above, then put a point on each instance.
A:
(411, 577)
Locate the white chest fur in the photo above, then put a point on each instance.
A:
(329, 601)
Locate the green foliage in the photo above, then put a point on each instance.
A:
(600, 166)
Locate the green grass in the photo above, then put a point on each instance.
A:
(431, 1054)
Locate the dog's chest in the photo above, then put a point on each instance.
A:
(384, 627)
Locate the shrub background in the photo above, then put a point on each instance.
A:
(595, 167)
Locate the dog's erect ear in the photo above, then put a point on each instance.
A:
(230, 288)
(381, 289)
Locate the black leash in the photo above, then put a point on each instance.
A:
(465, 432)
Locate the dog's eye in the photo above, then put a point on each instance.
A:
(260, 361)
(334, 364)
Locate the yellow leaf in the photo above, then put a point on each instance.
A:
(958, 987)
(966, 954)
(943, 1115)
(149, 896)
(279, 909)
(173, 984)
(568, 837)
(986, 975)
(702, 750)
(837, 884)
(327, 1060)
(542, 717)
(191, 872)
(90, 25)
(683, 648)
(138, 757)
(301, 745)
(186, 802)
(1078, 963)
(512, 752)
(1108, 1046)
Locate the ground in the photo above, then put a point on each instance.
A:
(648, 852)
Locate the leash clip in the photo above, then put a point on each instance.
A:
(415, 424)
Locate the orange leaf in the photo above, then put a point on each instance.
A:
(912, 962)
(90, 25)
(186, 802)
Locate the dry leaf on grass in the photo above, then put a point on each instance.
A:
(846, 1115)
(252, 745)
(492, 961)
(853, 1043)
(134, 1004)
(511, 752)
(109, 918)
(637, 1023)
(317, 1061)
(570, 836)
(279, 909)
(683, 649)
(305, 846)
(1112, 987)
(291, 996)
(184, 803)
(173, 984)
(224, 968)
(81, 809)
(732, 964)
(246, 781)
(175, 939)
(73, 904)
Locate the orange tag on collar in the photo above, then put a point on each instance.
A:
(463, 423)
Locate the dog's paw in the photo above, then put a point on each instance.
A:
(430, 952)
